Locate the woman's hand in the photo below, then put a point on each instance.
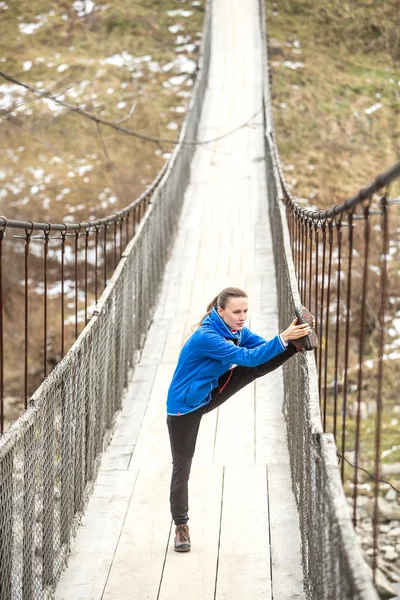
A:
(294, 332)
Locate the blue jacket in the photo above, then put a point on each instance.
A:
(211, 351)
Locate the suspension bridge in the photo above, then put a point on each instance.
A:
(85, 470)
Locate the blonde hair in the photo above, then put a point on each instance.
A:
(222, 300)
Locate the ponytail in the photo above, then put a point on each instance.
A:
(221, 300)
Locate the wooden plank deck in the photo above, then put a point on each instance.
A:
(243, 519)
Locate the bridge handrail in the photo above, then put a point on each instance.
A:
(333, 563)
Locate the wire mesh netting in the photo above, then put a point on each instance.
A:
(49, 457)
(333, 564)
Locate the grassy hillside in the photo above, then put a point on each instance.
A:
(335, 80)
(128, 61)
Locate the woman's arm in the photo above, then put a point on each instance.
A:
(215, 346)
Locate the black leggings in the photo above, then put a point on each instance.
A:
(183, 430)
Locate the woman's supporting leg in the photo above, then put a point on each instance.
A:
(183, 432)
(237, 378)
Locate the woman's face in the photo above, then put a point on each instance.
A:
(235, 312)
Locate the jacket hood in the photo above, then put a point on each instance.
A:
(214, 321)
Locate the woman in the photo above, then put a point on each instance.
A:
(219, 359)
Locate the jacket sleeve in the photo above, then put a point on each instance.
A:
(251, 340)
(216, 347)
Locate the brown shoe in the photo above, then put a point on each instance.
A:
(182, 538)
(310, 341)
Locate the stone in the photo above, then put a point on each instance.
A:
(397, 548)
(394, 532)
(353, 410)
(391, 469)
(390, 553)
(383, 585)
(387, 511)
(391, 495)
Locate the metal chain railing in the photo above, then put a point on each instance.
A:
(50, 455)
(340, 265)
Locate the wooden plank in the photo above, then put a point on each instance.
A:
(137, 565)
(204, 454)
(244, 555)
(94, 548)
(286, 558)
(193, 573)
(152, 446)
(235, 430)
(270, 430)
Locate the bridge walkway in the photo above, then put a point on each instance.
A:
(243, 519)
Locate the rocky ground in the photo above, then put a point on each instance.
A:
(388, 576)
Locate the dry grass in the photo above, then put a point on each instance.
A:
(56, 164)
(348, 66)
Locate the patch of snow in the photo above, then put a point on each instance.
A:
(293, 65)
(175, 28)
(37, 173)
(391, 356)
(110, 90)
(187, 48)
(121, 105)
(387, 452)
(153, 66)
(83, 169)
(27, 65)
(196, 3)
(175, 80)
(64, 17)
(124, 85)
(62, 68)
(181, 64)
(83, 7)
(182, 39)
(180, 12)
(55, 108)
(3, 6)
(11, 93)
(29, 28)
(373, 108)
(172, 125)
